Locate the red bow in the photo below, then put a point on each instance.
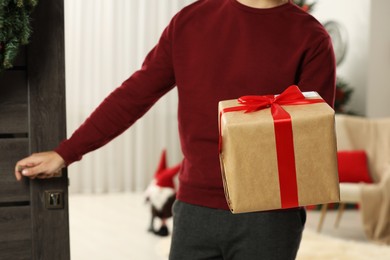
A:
(291, 96)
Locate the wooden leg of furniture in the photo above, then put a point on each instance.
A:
(324, 207)
(339, 213)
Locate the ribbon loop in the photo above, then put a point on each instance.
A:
(291, 96)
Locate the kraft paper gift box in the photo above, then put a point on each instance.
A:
(278, 152)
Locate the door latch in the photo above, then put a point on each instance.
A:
(54, 199)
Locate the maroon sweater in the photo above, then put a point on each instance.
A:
(213, 50)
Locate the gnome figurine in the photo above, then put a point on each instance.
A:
(161, 194)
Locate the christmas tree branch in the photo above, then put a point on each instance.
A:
(15, 28)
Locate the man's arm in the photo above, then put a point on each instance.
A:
(112, 117)
(318, 70)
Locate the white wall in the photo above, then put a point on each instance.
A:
(379, 60)
(367, 63)
(354, 15)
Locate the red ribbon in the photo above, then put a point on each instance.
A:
(283, 135)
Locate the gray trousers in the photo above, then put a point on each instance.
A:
(203, 233)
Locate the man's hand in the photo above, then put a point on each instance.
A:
(40, 165)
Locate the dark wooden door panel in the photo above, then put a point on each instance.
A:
(32, 119)
(46, 81)
(15, 233)
(20, 60)
(13, 102)
(11, 151)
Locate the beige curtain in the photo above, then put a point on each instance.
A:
(106, 41)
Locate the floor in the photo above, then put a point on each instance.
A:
(111, 227)
(115, 227)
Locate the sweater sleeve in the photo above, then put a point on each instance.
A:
(318, 70)
(125, 104)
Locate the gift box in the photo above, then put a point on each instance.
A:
(278, 152)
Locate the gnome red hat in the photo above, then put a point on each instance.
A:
(162, 165)
(164, 176)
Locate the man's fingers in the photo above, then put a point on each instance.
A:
(19, 168)
(36, 172)
(40, 165)
(31, 171)
(18, 175)
(42, 176)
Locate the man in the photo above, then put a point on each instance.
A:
(212, 50)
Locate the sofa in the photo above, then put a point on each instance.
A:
(372, 136)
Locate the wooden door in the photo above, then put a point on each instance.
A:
(34, 213)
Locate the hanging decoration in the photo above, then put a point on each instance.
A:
(306, 5)
(15, 28)
(343, 96)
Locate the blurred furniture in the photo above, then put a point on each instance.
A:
(373, 137)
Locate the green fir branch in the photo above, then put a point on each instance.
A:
(343, 95)
(15, 29)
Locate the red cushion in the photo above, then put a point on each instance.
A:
(353, 167)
